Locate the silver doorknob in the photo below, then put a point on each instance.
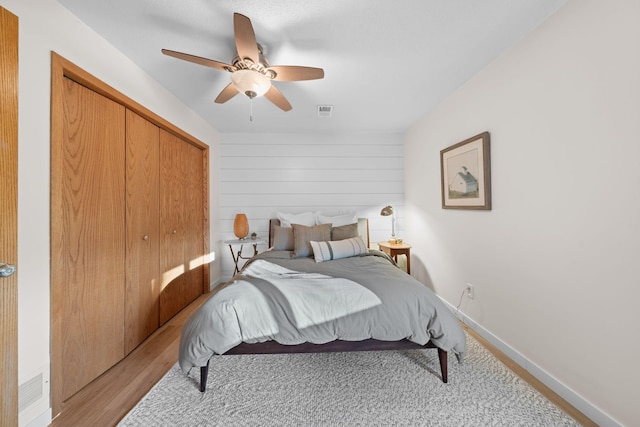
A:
(7, 270)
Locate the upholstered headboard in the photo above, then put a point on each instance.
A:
(363, 229)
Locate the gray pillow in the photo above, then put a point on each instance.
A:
(282, 238)
(302, 235)
(343, 232)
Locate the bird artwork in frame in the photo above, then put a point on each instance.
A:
(465, 170)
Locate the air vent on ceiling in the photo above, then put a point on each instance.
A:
(325, 110)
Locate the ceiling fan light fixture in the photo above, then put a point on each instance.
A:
(251, 83)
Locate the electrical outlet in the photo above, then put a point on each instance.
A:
(470, 291)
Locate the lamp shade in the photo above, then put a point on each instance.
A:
(241, 226)
(251, 83)
(386, 211)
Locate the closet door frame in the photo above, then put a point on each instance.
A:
(62, 68)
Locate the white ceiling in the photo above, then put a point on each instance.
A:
(386, 63)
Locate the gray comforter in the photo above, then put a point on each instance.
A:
(293, 301)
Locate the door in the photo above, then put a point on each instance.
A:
(181, 224)
(87, 240)
(193, 248)
(143, 235)
(8, 218)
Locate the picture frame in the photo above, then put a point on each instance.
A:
(465, 172)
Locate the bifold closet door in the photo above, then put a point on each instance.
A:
(87, 239)
(142, 230)
(181, 224)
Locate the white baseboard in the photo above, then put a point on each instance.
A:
(577, 401)
(43, 420)
(214, 284)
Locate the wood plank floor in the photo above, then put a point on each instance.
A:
(109, 398)
(106, 400)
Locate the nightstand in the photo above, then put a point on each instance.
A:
(395, 249)
(237, 257)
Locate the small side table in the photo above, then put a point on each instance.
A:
(395, 249)
(237, 257)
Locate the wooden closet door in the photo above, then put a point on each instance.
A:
(87, 239)
(194, 245)
(181, 225)
(142, 230)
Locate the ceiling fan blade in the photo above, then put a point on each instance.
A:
(199, 60)
(245, 38)
(227, 93)
(292, 73)
(275, 96)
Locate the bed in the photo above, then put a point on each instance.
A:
(325, 291)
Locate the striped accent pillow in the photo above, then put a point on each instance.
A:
(326, 251)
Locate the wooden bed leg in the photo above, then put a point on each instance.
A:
(442, 355)
(204, 373)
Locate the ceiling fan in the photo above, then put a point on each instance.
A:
(251, 74)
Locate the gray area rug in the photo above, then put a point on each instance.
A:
(348, 389)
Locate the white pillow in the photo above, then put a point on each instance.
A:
(326, 251)
(337, 220)
(307, 218)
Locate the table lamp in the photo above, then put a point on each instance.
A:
(241, 226)
(388, 211)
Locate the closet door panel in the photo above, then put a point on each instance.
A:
(180, 215)
(172, 235)
(194, 223)
(91, 241)
(142, 230)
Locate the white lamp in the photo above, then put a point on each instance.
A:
(388, 211)
(250, 82)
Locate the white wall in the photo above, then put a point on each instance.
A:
(555, 263)
(264, 174)
(45, 26)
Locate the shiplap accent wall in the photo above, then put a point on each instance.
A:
(263, 174)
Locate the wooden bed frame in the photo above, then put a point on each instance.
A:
(272, 347)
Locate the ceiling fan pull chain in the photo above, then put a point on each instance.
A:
(250, 109)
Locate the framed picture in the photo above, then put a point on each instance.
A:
(465, 171)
